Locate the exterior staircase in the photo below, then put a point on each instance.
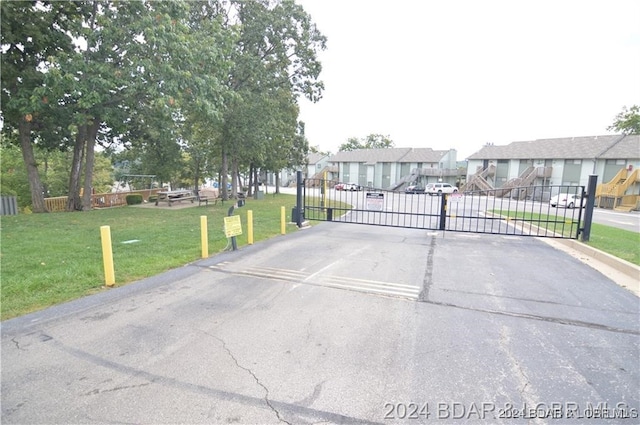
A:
(523, 182)
(478, 182)
(404, 180)
(613, 195)
(318, 177)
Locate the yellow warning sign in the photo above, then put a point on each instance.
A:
(232, 226)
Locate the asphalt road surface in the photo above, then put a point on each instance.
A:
(338, 323)
(624, 220)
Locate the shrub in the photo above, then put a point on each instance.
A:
(134, 199)
(153, 198)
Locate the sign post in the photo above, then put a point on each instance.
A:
(232, 227)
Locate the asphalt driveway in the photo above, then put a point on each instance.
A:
(340, 324)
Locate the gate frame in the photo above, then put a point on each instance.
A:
(583, 233)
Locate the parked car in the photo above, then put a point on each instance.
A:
(352, 187)
(339, 186)
(437, 188)
(567, 200)
(414, 188)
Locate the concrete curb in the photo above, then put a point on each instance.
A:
(624, 266)
(622, 272)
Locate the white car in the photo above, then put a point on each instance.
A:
(351, 186)
(437, 188)
(566, 200)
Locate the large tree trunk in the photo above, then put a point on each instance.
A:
(224, 193)
(196, 176)
(89, 164)
(251, 180)
(37, 196)
(236, 178)
(74, 202)
(277, 182)
(256, 181)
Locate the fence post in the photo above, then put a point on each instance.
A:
(588, 213)
(299, 206)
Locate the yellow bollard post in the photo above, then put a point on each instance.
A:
(283, 221)
(250, 227)
(204, 239)
(107, 256)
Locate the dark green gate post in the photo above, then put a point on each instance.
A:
(299, 206)
(443, 211)
(591, 201)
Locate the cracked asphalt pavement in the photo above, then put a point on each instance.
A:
(338, 324)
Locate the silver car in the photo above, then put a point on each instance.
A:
(567, 200)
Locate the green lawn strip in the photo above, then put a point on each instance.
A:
(620, 243)
(51, 258)
(617, 242)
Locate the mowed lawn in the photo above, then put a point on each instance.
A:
(50, 258)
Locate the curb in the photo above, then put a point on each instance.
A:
(622, 272)
(619, 264)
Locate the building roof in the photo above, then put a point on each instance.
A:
(372, 156)
(627, 148)
(610, 146)
(314, 158)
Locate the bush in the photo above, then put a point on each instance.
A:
(153, 198)
(134, 199)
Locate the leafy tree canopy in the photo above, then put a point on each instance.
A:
(316, 149)
(372, 141)
(178, 88)
(627, 121)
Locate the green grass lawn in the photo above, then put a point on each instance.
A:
(51, 258)
(620, 243)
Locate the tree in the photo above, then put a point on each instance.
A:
(316, 149)
(275, 62)
(53, 168)
(142, 60)
(32, 32)
(627, 121)
(201, 116)
(156, 78)
(372, 141)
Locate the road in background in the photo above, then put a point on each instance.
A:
(623, 220)
(338, 323)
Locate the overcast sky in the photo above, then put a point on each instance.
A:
(460, 74)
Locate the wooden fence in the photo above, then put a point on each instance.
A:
(99, 200)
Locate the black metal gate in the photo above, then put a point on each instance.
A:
(543, 211)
